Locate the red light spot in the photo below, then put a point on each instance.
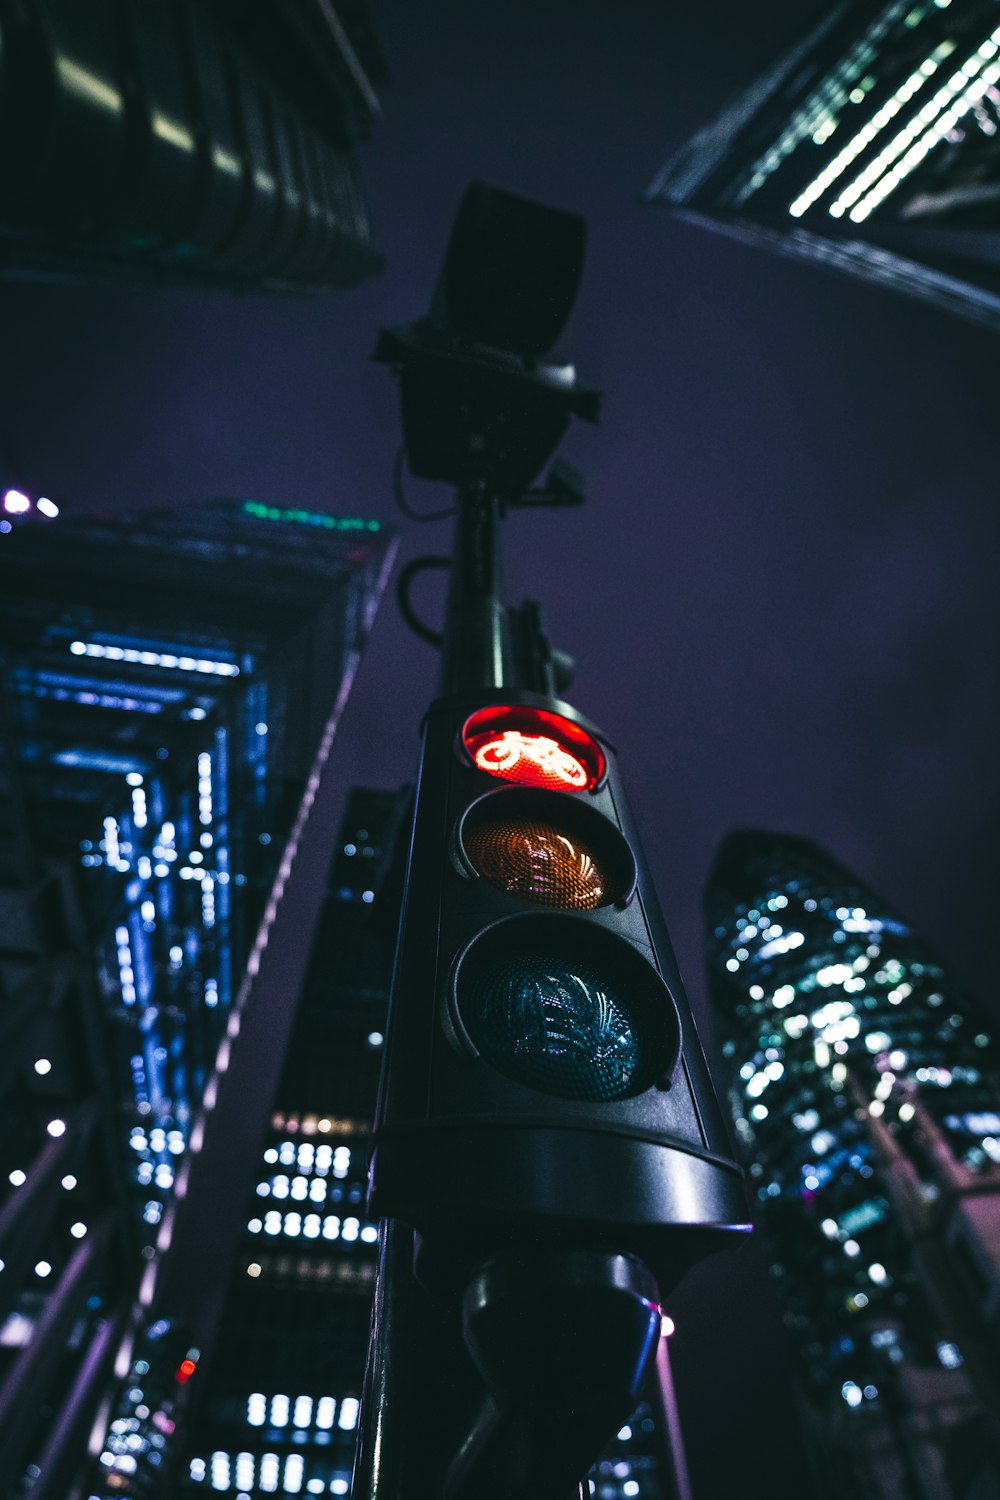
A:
(503, 757)
(185, 1370)
(534, 747)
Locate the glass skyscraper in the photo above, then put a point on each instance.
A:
(871, 147)
(172, 684)
(865, 1092)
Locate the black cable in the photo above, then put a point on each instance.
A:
(406, 577)
(400, 496)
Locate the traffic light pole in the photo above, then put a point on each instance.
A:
(523, 1442)
(531, 1318)
(486, 644)
(548, 1150)
(476, 649)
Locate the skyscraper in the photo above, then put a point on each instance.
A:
(871, 147)
(866, 1094)
(172, 687)
(186, 140)
(279, 1410)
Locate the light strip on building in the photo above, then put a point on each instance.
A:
(204, 665)
(957, 85)
(126, 970)
(817, 117)
(941, 128)
(868, 133)
(309, 518)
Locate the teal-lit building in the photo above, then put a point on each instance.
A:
(870, 147)
(865, 1093)
(172, 686)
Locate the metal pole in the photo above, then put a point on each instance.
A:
(674, 1439)
(475, 655)
(476, 651)
(26, 1214)
(381, 1436)
(61, 1455)
(28, 1376)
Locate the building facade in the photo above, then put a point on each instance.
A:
(865, 1091)
(279, 1411)
(172, 686)
(871, 147)
(187, 140)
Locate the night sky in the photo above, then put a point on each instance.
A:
(781, 594)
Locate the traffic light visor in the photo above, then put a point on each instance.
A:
(533, 747)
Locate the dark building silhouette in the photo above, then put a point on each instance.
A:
(172, 685)
(187, 140)
(279, 1412)
(871, 146)
(866, 1094)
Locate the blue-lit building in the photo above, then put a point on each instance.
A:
(870, 147)
(865, 1091)
(172, 685)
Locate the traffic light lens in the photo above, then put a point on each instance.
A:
(533, 747)
(530, 858)
(555, 1025)
(531, 759)
(565, 1007)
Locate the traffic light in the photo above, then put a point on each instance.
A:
(546, 1122)
(543, 1081)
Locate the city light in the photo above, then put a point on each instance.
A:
(839, 1090)
(137, 657)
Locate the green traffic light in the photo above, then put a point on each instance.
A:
(555, 1025)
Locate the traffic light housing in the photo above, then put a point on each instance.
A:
(543, 1081)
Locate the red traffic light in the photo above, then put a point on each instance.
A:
(534, 747)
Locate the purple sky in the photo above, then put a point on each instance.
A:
(781, 594)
